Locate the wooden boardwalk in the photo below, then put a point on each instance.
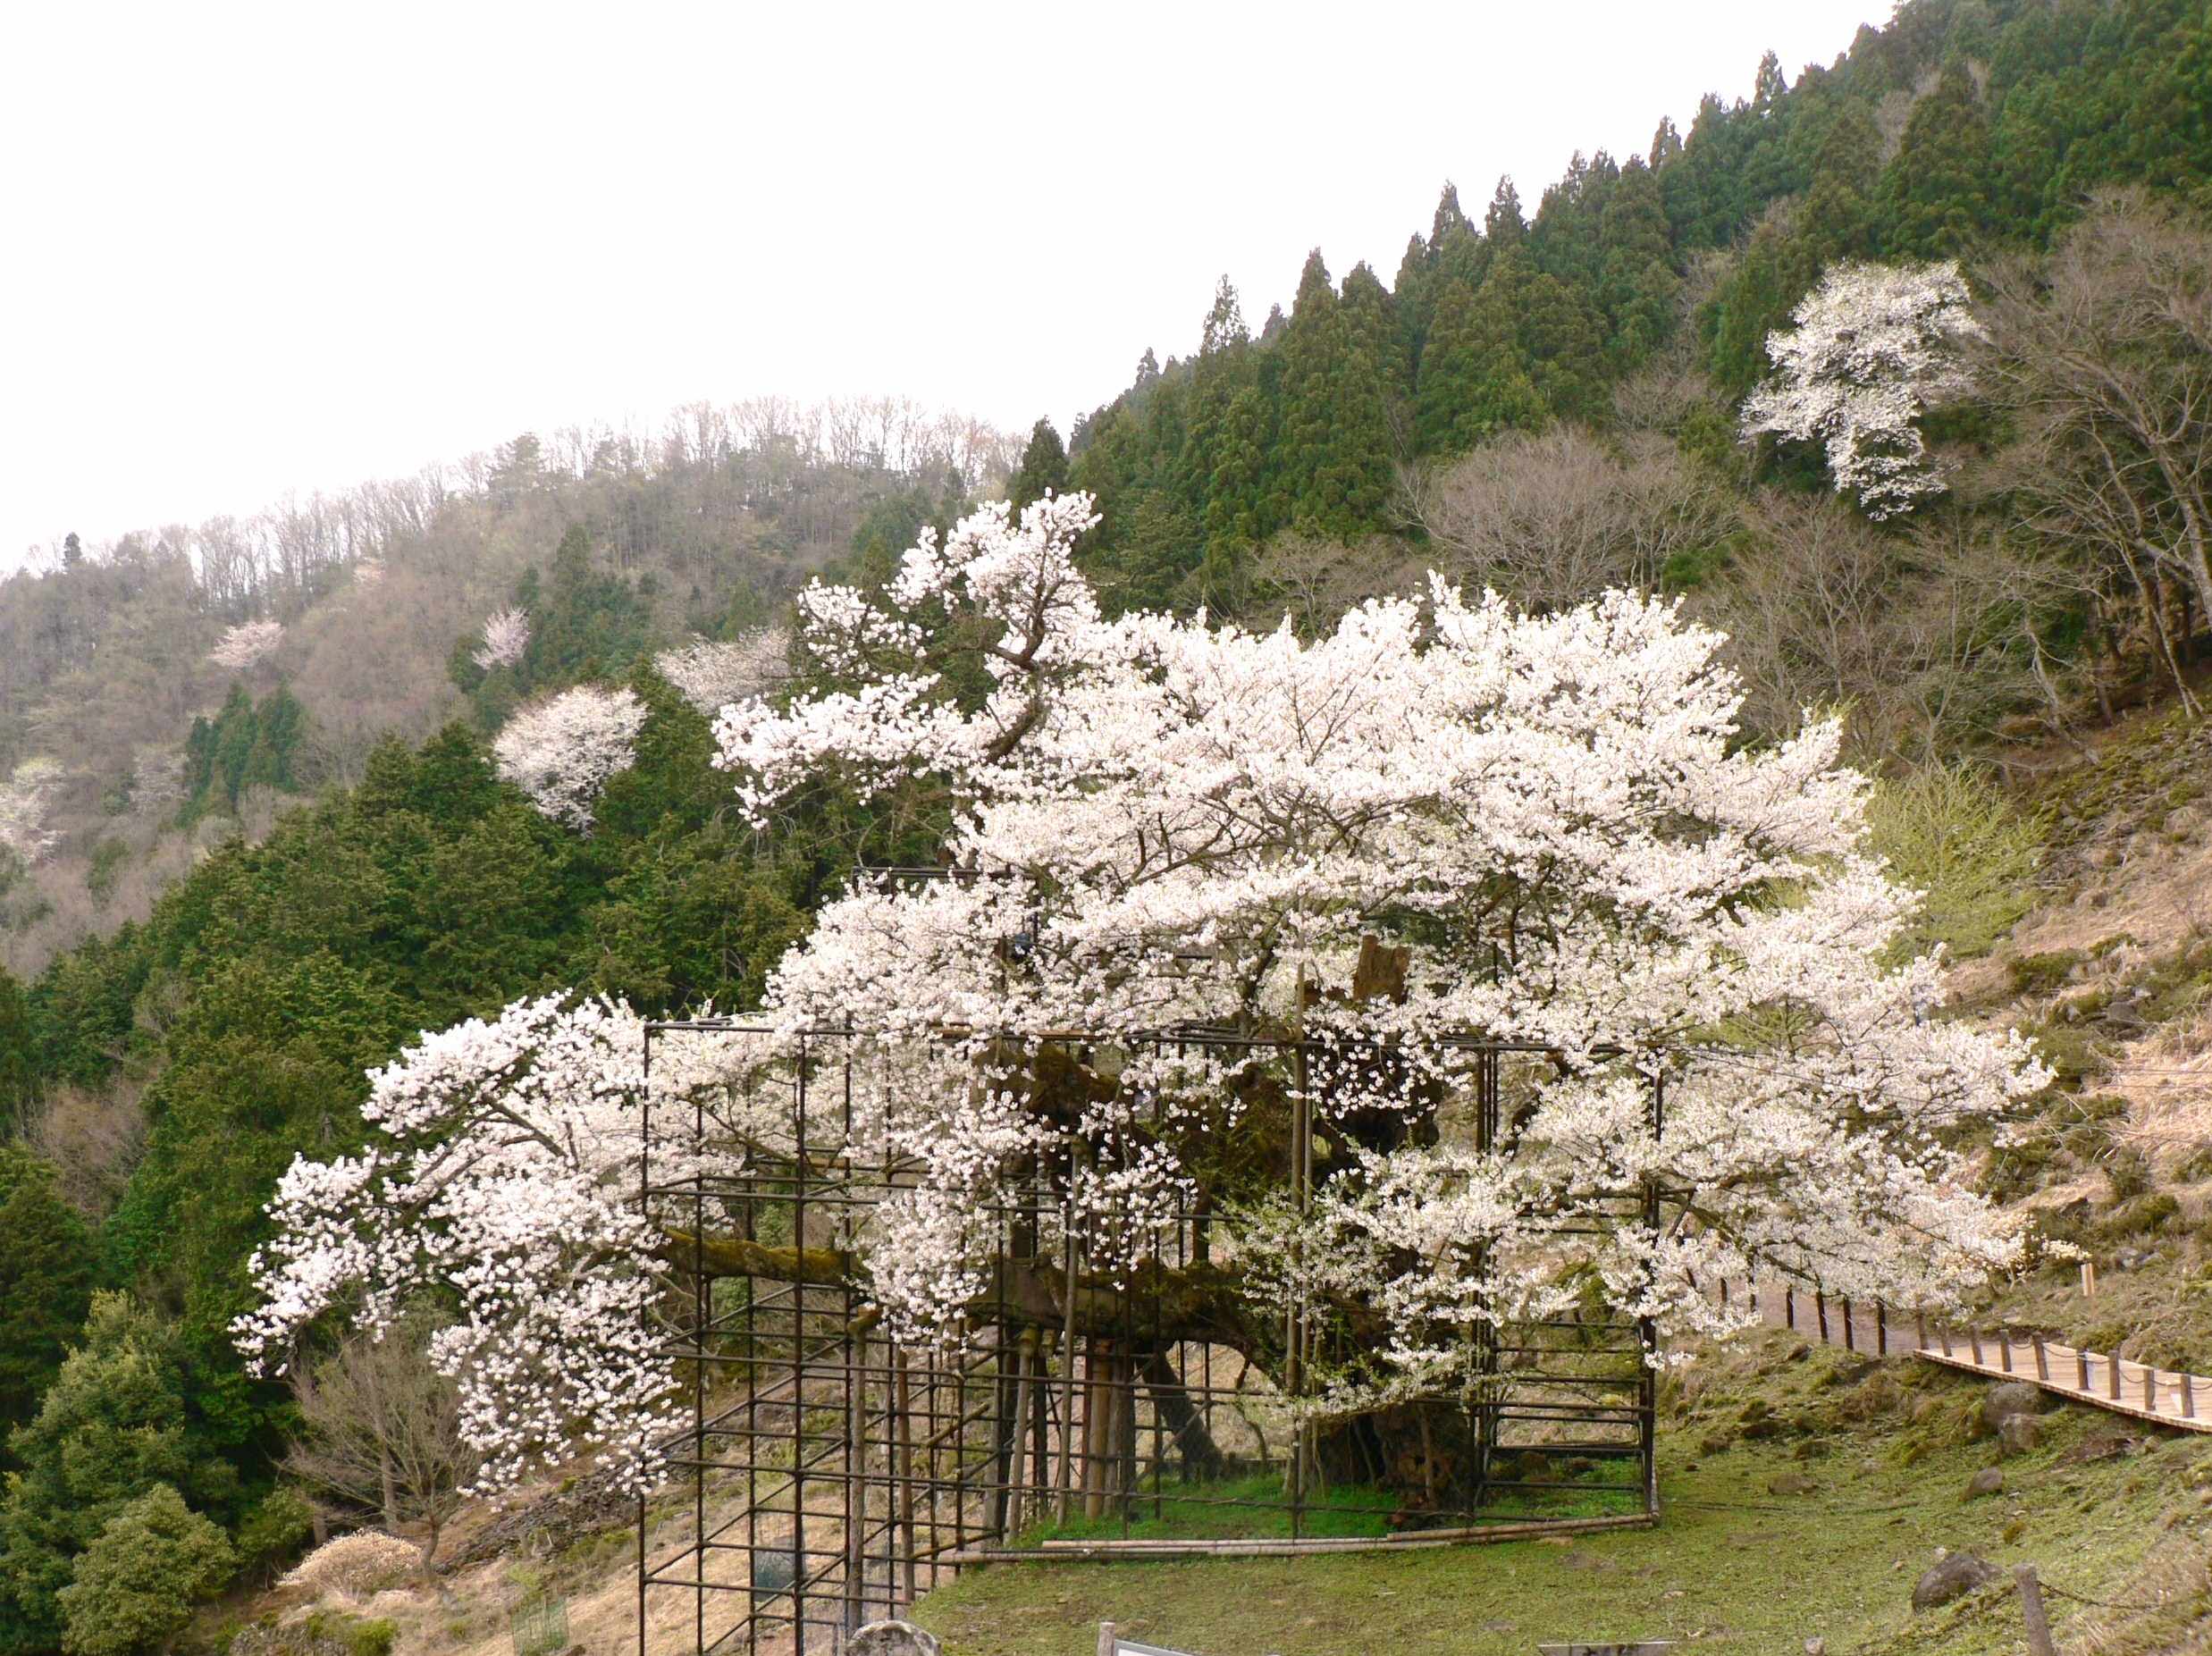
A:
(2119, 1385)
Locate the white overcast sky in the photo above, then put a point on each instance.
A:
(249, 250)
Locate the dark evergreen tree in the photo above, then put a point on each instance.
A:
(47, 1262)
(1936, 189)
(1501, 221)
(1044, 469)
(19, 1057)
(1637, 283)
(116, 1422)
(1840, 211)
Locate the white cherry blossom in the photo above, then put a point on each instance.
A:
(506, 635)
(246, 643)
(564, 751)
(710, 674)
(1874, 347)
(1154, 825)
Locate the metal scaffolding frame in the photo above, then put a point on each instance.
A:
(827, 1476)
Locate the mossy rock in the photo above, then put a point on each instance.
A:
(2041, 974)
(2142, 1215)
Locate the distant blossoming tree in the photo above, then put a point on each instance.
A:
(1445, 819)
(506, 636)
(246, 643)
(711, 674)
(27, 808)
(1874, 347)
(562, 751)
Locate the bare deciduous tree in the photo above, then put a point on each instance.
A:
(1314, 579)
(1557, 516)
(1922, 640)
(383, 1431)
(2104, 353)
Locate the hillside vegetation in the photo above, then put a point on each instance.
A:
(126, 748)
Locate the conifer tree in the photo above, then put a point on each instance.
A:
(1637, 284)
(1501, 221)
(1341, 378)
(45, 1280)
(18, 1061)
(1777, 269)
(111, 1426)
(1310, 349)
(1223, 468)
(1224, 328)
(1936, 186)
(1044, 469)
(1839, 209)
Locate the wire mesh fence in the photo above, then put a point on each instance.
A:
(1122, 1384)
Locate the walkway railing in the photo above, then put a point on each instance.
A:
(2117, 1384)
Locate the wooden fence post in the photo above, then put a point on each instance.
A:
(2042, 1360)
(1106, 1638)
(2032, 1611)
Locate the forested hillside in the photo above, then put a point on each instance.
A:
(126, 743)
(274, 796)
(1961, 128)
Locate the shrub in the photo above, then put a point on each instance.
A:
(1949, 831)
(274, 1533)
(134, 1585)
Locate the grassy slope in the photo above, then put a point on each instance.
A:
(1731, 1564)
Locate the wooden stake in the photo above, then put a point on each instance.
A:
(2030, 1610)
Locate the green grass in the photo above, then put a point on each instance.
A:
(1253, 1505)
(1732, 1566)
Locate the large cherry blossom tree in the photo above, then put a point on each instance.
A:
(1446, 820)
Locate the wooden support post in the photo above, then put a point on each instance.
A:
(1105, 1639)
(1945, 1334)
(2151, 1388)
(2114, 1360)
(1919, 1326)
(1820, 1307)
(1881, 1329)
(1975, 1336)
(1847, 1345)
(2042, 1360)
(1789, 1305)
(2032, 1611)
(2005, 1349)
(2189, 1403)
(2081, 1362)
